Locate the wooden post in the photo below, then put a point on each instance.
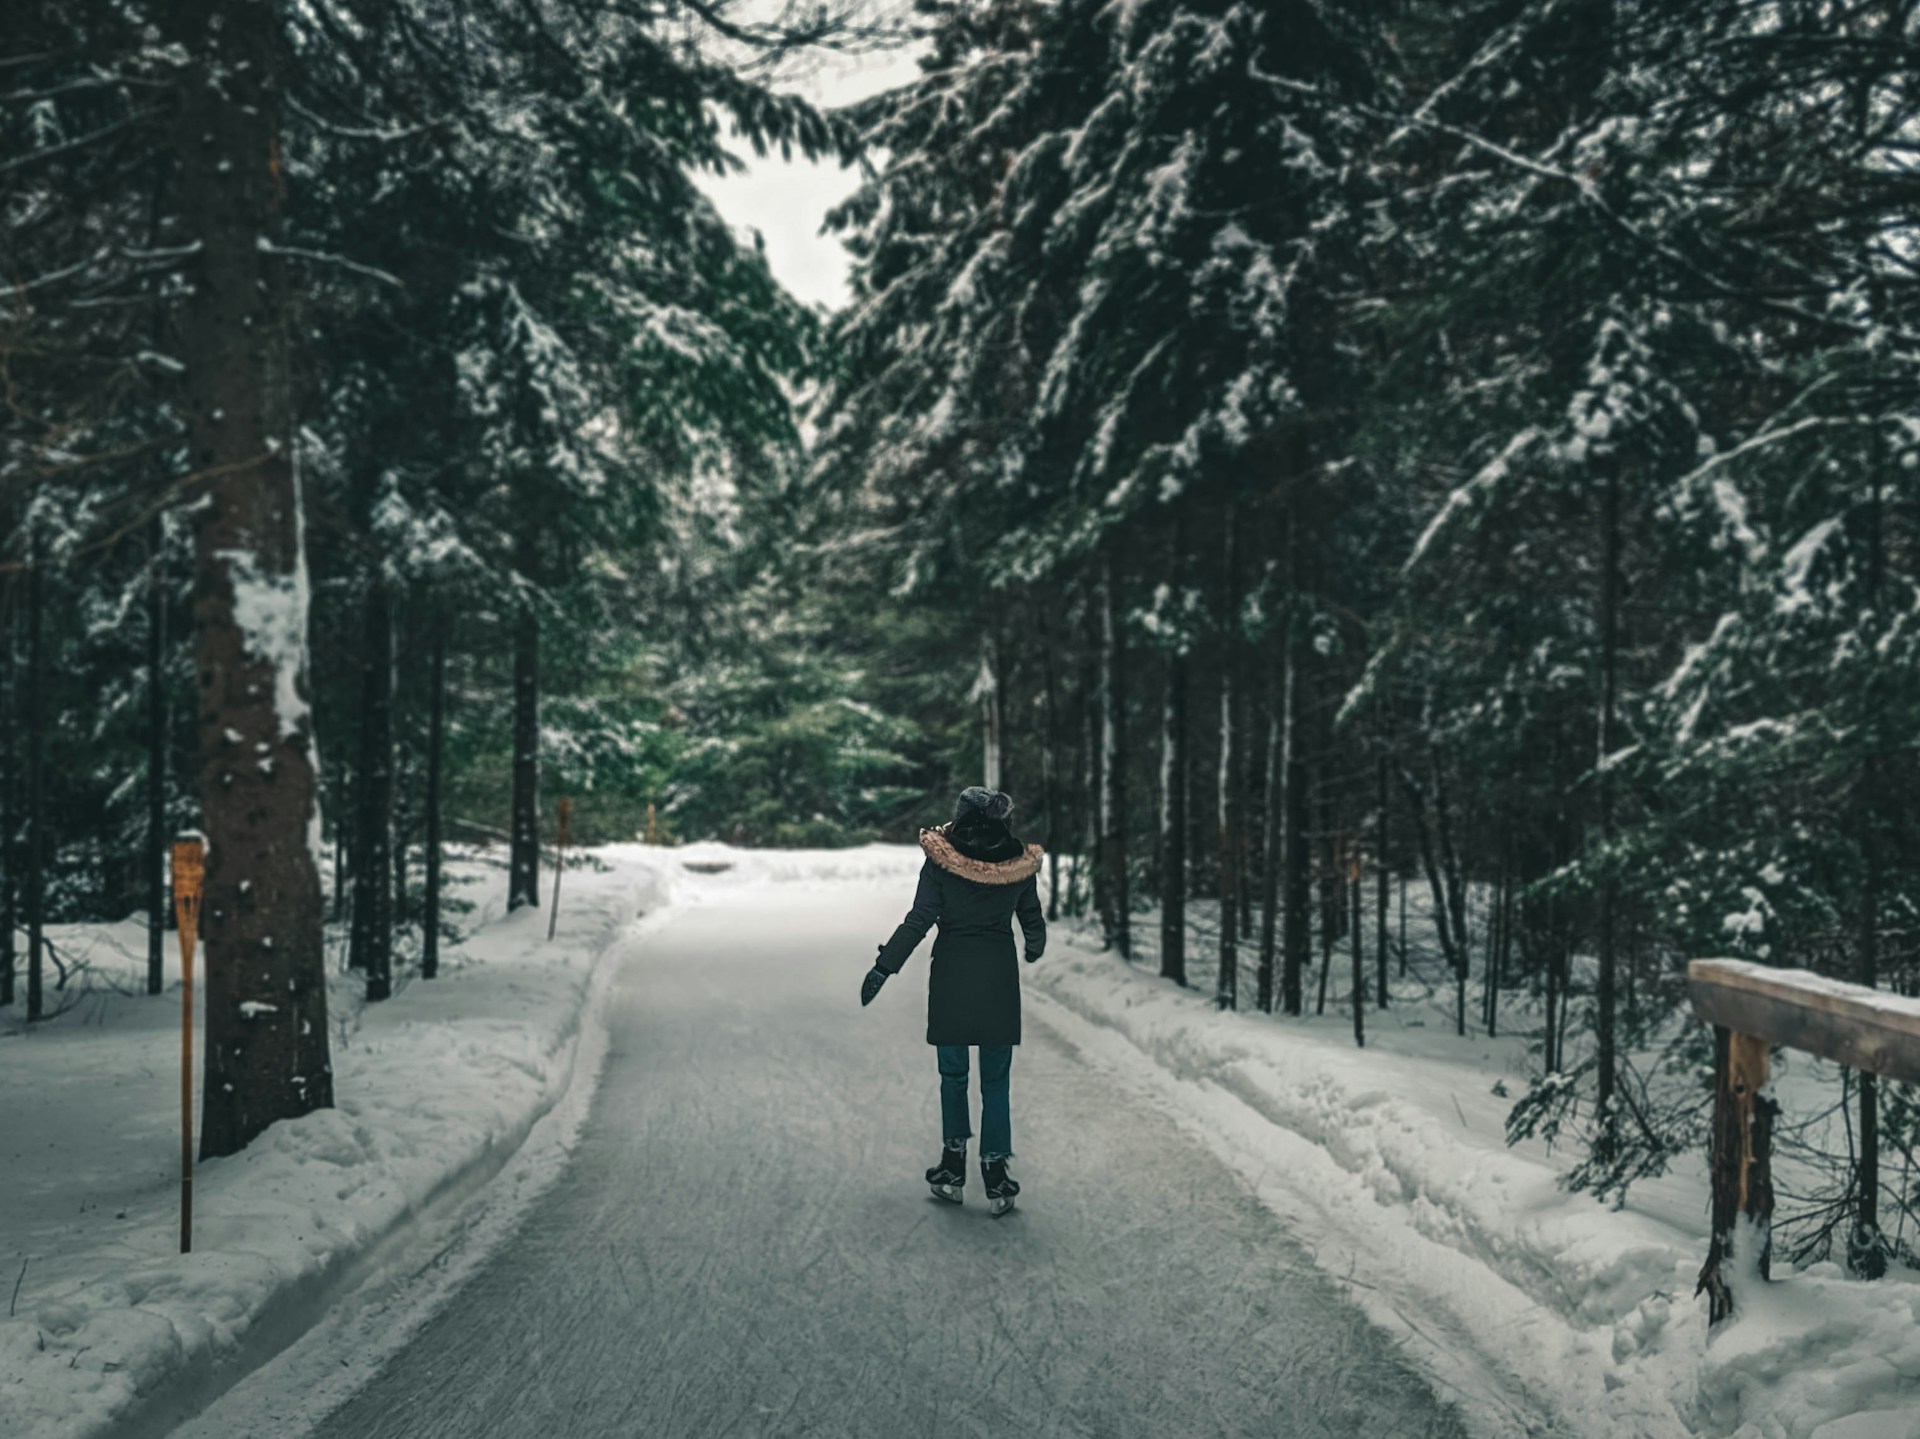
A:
(653, 824)
(559, 859)
(189, 876)
(1741, 1165)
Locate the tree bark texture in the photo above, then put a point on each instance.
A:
(266, 1025)
(1741, 1173)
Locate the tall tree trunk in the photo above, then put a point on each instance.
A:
(1295, 863)
(401, 823)
(1093, 787)
(1380, 881)
(36, 889)
(1329, 897)
(1456, 898)
(1496, 919)
(436, 749)
(9, 780)
(1227, 987)
(1270, 857)
(1252, 826)
(373, 881)
(155, 857)
(1051, 799)
(360, 905)
(1173, 821)
(1359, 958)
(1867, 1251)
(341, 860)
(986, 688)
(1113, 690)
(1609, 660)
(1442, 922)
(1403, 926)
(523, 863)
(266, 1021)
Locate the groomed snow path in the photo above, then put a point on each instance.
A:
(741, 1242)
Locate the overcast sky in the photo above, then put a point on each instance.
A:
(786, 202)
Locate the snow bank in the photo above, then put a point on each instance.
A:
(112, 1330)
(1542, 1311)
(725, 865)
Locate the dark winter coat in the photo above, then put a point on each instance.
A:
(976, 881)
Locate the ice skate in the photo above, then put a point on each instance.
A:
(1001, 1187)
(949, 1176)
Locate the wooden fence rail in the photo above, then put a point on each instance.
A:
(1752, 1008)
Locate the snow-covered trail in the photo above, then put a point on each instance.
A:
(741, 1242)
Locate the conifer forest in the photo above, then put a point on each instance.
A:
(1418, 503)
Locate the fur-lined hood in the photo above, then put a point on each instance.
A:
(940, 850)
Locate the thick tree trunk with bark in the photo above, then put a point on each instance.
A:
(266, 1021)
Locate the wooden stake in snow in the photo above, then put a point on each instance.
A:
(1753, 1007)
(189, 876)
(559, 859)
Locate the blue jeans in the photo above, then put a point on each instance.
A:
(996, 1118)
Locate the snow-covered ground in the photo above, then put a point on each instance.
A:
(1392, 1164)
(1537, 1310)
(109, 1330)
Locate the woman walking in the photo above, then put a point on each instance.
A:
(976, 879)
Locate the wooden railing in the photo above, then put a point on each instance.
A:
(1752, 1008)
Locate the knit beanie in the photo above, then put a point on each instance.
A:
(986, 803)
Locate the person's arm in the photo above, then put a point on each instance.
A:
(1033, 919)
(921, 918)
(909, 933)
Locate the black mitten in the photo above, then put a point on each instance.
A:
(870, 986)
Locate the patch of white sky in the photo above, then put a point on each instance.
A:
(787, 201)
